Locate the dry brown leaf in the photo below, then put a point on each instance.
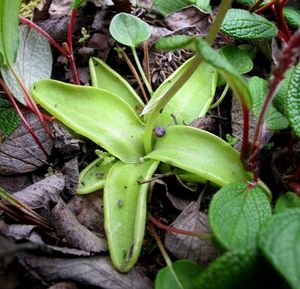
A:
(73, 232)
(97, 271)
(200, 250)
(19, 153)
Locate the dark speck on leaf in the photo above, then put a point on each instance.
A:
(120, 203)
(159, 131)
(99, 175)
(161, 110)
(55, 105)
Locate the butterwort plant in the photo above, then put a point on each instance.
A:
(108, 113)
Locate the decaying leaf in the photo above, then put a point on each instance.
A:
(71, 175)
(89, 211)
(64, 142)
(96, 271)
(41, 193)
(77, 235)
(188, 17)
(19, 153)
(197, 249)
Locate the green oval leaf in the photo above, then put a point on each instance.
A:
(128, 29)
(9, 31)
(287, 201)
(125, 205)
(242, 24)
(292, 16)
(293, 100)
(233, 270)
(279, 242)
(191, 101)
(92, 177)
(96, 114)
(236, 214)
(238, 58)
(177, 276)
(201, 153)
(106, 78)
(259, 88)
(34, 62)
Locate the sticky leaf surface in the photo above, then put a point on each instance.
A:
(125, 205)
(96, 114)
(106, 78)
(201, 153)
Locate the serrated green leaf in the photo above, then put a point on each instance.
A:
(258, 88)
(96, 114)
(293, 100)
(34, 62)
(9, 118)
(236, 214)
(106, 78)
(128, 29)
(242, 24)
(238, 58)
(292, 16)
(287, 201)
(9, 27)
(125, 205)
(230, 271)
(279, 242)
(201, 153)
(191, 101)
(177, 276)
(92, 177)
(280, 99)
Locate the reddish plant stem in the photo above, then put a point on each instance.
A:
(135, 74)
(70, 47)
(245, 141)
(45, 34)
(176, 230)
(281, 19)
(29, 101)
(287, 58)
(255, 5)
(12, 100)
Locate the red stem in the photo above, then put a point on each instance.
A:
(287, 58)
(245, 141)
(12, 100)
(44, 33)
(282, 22)
(70, 47)
(175, 230)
